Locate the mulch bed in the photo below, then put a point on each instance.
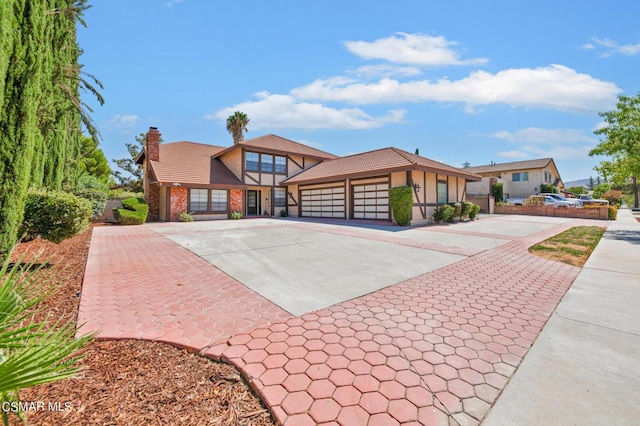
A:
(128, 381)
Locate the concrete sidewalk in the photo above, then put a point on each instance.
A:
(584, 367)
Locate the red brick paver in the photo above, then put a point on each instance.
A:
(436, 348)
(140, 285)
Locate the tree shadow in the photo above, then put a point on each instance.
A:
(632, 237)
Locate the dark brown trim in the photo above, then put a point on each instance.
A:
(423, 212)
(208, 202)
(205, 186)
(253, 179)
(295, 162)
(426, 205)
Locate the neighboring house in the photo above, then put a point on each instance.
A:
(269, 174)
(519, 178)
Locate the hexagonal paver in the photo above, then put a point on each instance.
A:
(324, 410)
(297, 402)
(347, 395)
(374, 402)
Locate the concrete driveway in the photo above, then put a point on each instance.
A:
(303, 266)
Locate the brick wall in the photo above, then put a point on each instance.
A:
(177, 202)
(236, 200)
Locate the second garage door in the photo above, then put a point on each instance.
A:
(323, 202)
(371, 200)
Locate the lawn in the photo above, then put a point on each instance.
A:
(130, 381)
(573, 246)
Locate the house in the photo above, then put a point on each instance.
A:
(520, 179)
(271, 174)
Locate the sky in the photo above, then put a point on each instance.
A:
(462, 81)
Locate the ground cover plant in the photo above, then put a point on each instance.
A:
(573, 246)
(129, 381)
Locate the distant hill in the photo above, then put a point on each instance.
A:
(579, 182)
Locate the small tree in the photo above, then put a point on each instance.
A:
(132, 178)
(401, 200)
(577, 190)
(591, 183)
(497, 190)
(600, 190)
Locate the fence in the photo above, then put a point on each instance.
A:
(591, 213)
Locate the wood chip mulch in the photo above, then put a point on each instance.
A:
(131, 382)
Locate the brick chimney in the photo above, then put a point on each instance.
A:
(153, 144)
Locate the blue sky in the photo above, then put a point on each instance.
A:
(460, 80)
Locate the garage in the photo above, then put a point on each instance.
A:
(371, 199)
(323, 201)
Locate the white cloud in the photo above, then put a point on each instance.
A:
(513, 154)
(555, 87)
(415, 49)
(123, 121)
(611, 47)
(272, 111)
(544, 136)
(384, 70)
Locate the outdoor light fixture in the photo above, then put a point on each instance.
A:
(176, 184)
(416, 186)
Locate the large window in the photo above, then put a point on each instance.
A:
(520, 177)
(281, 164)
(198, 199)
(443, 193)
(252, 161)
(218, 200)
(280, 197)
(266, 163)
(208, 201)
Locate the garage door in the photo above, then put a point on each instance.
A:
(323, 202)
(371, 200)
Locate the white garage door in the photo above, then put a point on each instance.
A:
(323, 202)
(371, 200)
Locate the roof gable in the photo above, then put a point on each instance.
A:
(278, 145)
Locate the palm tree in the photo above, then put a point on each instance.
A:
(237, 125)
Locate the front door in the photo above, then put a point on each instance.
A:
(253, 202)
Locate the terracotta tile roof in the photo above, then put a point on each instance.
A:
(192, 163)
(514, 165)
(278, 145)
(383, 160)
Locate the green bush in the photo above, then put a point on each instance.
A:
(612, 212)
(443, 213)
(55, 215)
(473, 211)
(401, 201)
(185, 217)
(91, 182)
(497, 190)
(97, 197)
(457, 211)
(283, 213)
(133, 212)
(466, 208)
(121, 194)
(236, 215)
(548, 188)
(599, 190)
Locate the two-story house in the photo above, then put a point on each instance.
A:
(519, 178)
(271, 174)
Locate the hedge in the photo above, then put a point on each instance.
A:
(401, 200)
(133, 212)
(97, 198)
(55, 215)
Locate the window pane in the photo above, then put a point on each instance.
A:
(266, 163)
(218, 200)
(252, 161)
(443, 196)
(281, 164)
(198, 200)
(515, 177)
(280, 197)
(525, 175)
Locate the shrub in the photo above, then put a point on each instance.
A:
(612, 212)
(497, 190)
(473, 211)
(133, 212)
(185, 217)
(97, 197)
(533, 201)
(457, 211)
(549, 188)
(121, 194)
(443, 213)
(401, 201)
(466, 208)
(55, 215)
(614, 197)
(236, 215)
(283, 213)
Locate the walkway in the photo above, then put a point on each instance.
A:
(434, 349)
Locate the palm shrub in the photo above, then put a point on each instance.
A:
(31, 353)
(401, 201)
(55, 215)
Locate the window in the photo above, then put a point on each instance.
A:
(198, 200)
(280, 197)
(522, 176)
(218, 200)
(266, 163)
(252, 161)
(443, 195)
(281, 164)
